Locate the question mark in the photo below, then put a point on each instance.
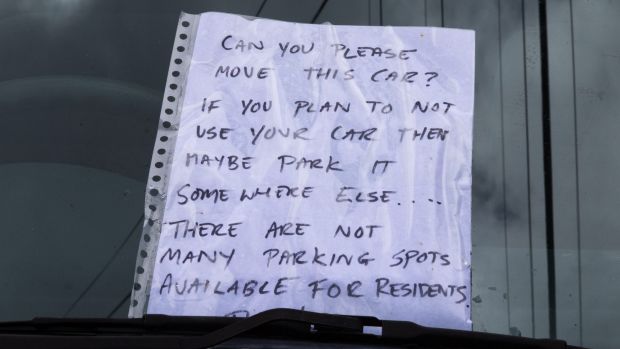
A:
(433, 75)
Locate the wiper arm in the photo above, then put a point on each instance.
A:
(289, 315)
(398, 332)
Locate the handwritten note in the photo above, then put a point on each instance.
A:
(321, 167)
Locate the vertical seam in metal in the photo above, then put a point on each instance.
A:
(501, 104)
(546, 121)
(572, 39)
(527, 159)
(442, 23)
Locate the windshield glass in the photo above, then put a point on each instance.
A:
(545, 248)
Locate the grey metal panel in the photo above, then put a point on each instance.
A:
(242, 7)
(564, 164)
(489, 268)
(375, 12)
(301, 11)
(597, 109)
(433, 13)
(404, 12)
(515, 163)
(351, 12)
(537, 223)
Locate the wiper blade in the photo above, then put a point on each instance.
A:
(162, 331)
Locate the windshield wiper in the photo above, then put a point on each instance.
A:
(162, 331)
(391, 331)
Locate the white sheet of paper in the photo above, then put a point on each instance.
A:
(358, 140)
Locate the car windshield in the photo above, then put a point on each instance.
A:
(545, 242)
